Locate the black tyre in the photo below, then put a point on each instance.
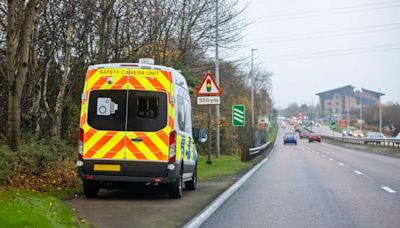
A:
(191, 185)
(176, 188)
(90, 189)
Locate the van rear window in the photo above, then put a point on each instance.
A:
(146, 110)
(107, 109)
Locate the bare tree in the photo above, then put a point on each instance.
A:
(18, 40)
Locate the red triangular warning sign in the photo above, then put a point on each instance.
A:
(208, 86)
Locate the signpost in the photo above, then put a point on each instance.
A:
(333, 127)
(208, 94)
(238, 115)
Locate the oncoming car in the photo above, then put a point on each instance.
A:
(289, 138)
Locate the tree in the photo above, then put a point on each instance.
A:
(18, 40)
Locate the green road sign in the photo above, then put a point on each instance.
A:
(333, 125)
(238, 115)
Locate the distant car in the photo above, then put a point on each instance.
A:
(358, 134)
(374, 137)
(297, 129)
(304, 134)
(347, 132)
(289, 137)
(313, 137)
(283, 125)
(397, 137)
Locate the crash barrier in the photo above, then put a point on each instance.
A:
(256, 150)
(378, 142)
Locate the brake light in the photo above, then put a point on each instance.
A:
(81, 137)
(172, 147)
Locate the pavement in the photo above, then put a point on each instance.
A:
(141, 206)
(316, 185)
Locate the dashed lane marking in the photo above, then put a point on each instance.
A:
(386, 188)
(358, 172)
(341, 164)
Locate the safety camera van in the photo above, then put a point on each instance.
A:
(136, 126)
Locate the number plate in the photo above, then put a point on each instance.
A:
(106, 167)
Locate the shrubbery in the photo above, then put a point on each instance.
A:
(38, 164)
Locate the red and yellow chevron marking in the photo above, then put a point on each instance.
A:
(118, 145)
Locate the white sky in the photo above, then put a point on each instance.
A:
(357, 25)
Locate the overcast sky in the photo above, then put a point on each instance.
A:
(316, 45)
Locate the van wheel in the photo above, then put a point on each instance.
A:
(90, 189)
(176, 188)
(191, 185)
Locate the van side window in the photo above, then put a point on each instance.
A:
(188, 114)
(107, 109)
(147, 110)
(181, 113)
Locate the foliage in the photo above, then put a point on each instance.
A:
(42, 165)
(24, 208)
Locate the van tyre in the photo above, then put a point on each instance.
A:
(90, 189)
(191, 185)
(176, 188)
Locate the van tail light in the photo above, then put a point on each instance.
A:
(172, 147)
(81, 137)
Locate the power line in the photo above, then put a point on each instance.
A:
(333, 11)
(329, 53)
(322, 34)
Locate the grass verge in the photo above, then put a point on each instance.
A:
(25, 208)
(223, 166)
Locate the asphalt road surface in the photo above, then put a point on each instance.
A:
(146, 206)
(316, 185)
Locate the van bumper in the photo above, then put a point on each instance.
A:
(131, 171)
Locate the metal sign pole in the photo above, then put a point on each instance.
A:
(209, 132)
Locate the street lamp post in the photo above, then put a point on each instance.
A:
(252, 87)
(380, 111)
(252, 97)
(361, 117)
(217, 108)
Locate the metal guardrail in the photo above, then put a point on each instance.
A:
(256, 150)
(392, 142)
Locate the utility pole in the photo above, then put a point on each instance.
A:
(348, 112)
(252, 97)
(361, 118)
(380, 111)
(252, 87)
(217, 111)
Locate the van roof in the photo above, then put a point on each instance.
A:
(132, 65)
(177, 76)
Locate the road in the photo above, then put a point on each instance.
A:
(316, 185)
(146, 206)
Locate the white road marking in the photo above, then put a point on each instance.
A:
(341, 164)
(358, 172)
(330, 159)
(203, 215)
(386, 188)
(323, 155)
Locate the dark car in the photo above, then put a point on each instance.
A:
(314, 138)
(289, 138)
(304, 134)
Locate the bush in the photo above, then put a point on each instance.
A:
(6, 161)
(39, 164)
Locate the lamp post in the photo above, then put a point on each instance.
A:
(361, 118)
(217, 108)
(380, 111)
(252, 87)
(252, 97)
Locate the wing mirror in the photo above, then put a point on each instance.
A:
(201, 136)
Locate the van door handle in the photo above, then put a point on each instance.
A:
(137, 139)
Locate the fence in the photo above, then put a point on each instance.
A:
(378, 142)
